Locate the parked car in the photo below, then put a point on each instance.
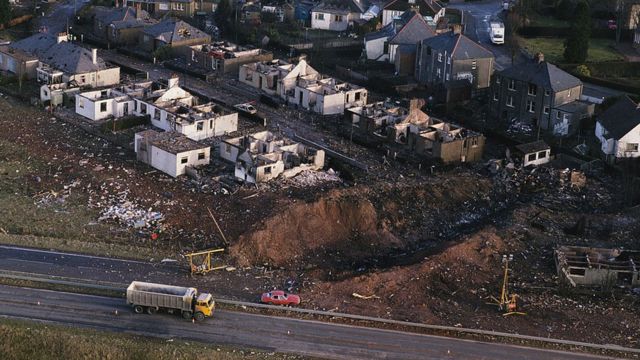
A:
(279, 297)
(246, 108)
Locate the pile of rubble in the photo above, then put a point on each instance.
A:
(314, 178)
(128, 213)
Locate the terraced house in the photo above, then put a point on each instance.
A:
(539, 94)
(337, 15)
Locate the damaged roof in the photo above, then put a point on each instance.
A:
(172, 30)
(171, 142)
(532, 147)
(543, 74)
(620, 118)
(460, 46)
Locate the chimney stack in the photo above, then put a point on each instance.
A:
(415, 104)
(94, 56)
(539, 58)
(174, 80)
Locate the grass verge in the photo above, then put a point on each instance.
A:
(28, 340)
(600, 50)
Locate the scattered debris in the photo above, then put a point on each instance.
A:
(356, 295)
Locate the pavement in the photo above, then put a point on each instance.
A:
(284, 335)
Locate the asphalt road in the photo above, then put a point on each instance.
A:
(283, 335)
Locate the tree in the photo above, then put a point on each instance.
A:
(5, 12)
(576, 47)
(223, 15)
(565, 10)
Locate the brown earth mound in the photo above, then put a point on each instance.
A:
(338, 224)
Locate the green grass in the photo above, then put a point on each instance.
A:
(548, 21)
(26, 340)
(600, 50)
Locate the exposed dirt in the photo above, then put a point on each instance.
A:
(428, 247)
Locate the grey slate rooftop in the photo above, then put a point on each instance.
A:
(172, 30)
(620, 118)
(459, 45)
(532, 147)
(542, 73)
(415, 30)
(72, 59)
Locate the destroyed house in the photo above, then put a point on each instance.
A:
(172, 108)
(266, 75)
(426, 136)
(303, 86)
(327, 96)
(225, 58)
(583, 266)
(374, 119)
(262, 156)
(534, 153)
(170, 152)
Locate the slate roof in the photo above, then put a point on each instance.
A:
(342, 6)
(544, 74)
(426, 7)
(459, 45)
(620, 118)
(35, 44)
(414, 30)
(122, 18)
(171, 30)
(532, 147)
(71, 58)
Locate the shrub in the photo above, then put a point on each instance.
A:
(583, 70)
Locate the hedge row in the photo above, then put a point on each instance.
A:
(546, 31)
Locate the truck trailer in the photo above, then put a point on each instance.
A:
(150, 298)
(497, 33)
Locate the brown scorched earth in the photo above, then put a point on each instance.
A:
(421, 247)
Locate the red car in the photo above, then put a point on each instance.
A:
(279, 297)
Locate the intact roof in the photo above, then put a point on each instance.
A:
(620, 118)
(386, 31)
(426, 7)
(71, 58)
(535, 146)
(342, 6)
(110, 15)
(171, 142)
(459, 45)
(544, 74)
(35, 44)
(172, 30)
(413, 31)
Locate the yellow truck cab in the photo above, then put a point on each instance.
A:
(205, 305)
(150, 298)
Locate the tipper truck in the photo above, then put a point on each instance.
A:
(151, 298)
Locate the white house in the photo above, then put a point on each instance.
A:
(103, 104)
(618, 129)
(169, 108)
(170, 152)
(426, 8)
(535, 153)
(337, 15)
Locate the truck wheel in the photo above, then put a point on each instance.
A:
(151, 310)
(199, 316)
(138, 309)
(187, 315)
